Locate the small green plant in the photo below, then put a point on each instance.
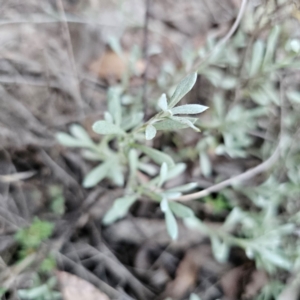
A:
(243, 121)
(123, 149)
(40, 291)
(31, 237)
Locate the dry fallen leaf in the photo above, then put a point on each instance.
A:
(187, 272)
(110, 66)
(75, 288)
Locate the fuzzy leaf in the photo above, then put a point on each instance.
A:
(185, 121)
(119, 209)
(173, 125)
(162, 102)
(183, 88)
(156, 155)
(68, 141)
(220, 250)
(176, 170)
(80, 133)
(116, 173)
(164, 205)
(189, 109)
(104, 127)
(171, 223)
(257, 58)
(180, 210)
(163, 174)
(271, 45)
(205, 164)
(150, 132)
(293, 96)
(114, 104)
(183, 188)
(96, 175)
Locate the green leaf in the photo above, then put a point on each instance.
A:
(68, 141)
(80, 133)
(115, 45)
(257, 57)
(185, 121)
(184, 188)
(277, 258)
(271, 45)
(180, 210)
(171, 195)
(116, 173)
(173, 125)
(183, 88)
(133, 160)
(96, 175)
(108, 117)
(114, 104)
(219, 249)
(156, 155)
(176, 170)
(163, 174)
(194, 297)
(164, 205)
(293, 96)
(162, 102)
(119, 209)
(132, 120)
(205, 164)
(171, 223)
(189, 109)
(150, 132)
(37, 232)
(104, 127)
(228, 83)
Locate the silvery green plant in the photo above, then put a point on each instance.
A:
(129, 134)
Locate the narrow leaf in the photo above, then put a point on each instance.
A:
(184, 188)
(257, 58)
(80, 133)
(162, 102)
(163, 174)
(132, 120)
(164, 205)
(183, 88)
(219, 249)
(150, 132)
(185, 121)
(157, 156)
(96, 175)
(189, 109)
(173, 125)
(176, 170)
(180, 210)
(116, 173)
(171, 223)
(114, 104)
(67, 140)
(119, 209)
(205, 164)
(271, 45)
(104, 127)
(293, 96)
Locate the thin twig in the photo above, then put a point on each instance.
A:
(225, 39)
(248, 174)
(146, 58)
(66, 30)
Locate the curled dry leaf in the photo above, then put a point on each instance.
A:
(75, 288)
